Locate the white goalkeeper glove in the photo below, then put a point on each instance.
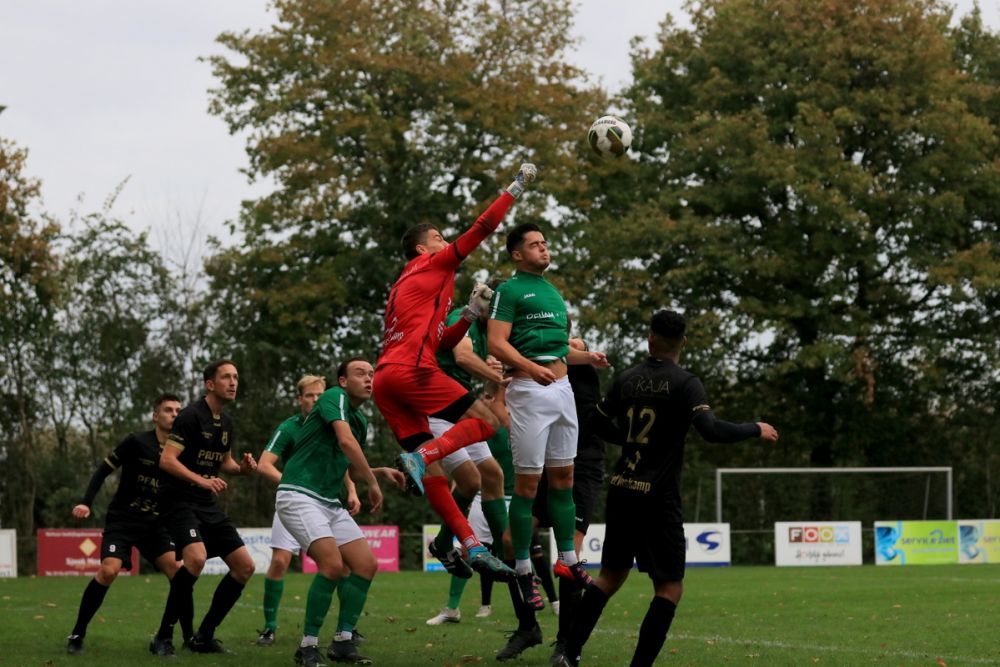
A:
(524, 176)
(479, 302)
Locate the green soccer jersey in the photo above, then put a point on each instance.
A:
(282, 442)
(537, 314)
(317, 466)
(499, 446)
(446, 358)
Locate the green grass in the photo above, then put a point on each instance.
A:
(929, 615)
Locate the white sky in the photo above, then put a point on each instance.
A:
(103, 90)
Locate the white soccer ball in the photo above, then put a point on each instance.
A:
(610, 135)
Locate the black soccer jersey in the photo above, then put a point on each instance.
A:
(138, 494)
(586, 394)
(204, 440)
(651, 407)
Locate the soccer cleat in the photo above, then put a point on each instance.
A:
(555, 607)
(412, 465)
(198, 645)
(484, 611)
(446, 615)
(528, 586)
(519, 642)
(357, 638)
(74, 644)
(560, 659)
(346, 651)
(163, 648)
(452, 561)
(309, 656)
(575, 572)
(485, 563)
(266, 637)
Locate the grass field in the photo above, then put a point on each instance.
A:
(931, 615)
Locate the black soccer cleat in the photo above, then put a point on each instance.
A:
(357, 638)
(266, 637)
(199, 645)
(519, 642)
(452, 561)
(74, 644)
(528, 586)
(309, 656)
(163, 648)
(346, 651)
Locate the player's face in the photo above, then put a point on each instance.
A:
(223, 386)
(434, 242)
(358, 382)
(310, 394)
(163, 416)
(534, 252)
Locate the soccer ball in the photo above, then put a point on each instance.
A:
(610, 136)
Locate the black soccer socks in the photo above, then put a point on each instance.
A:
(653, 631)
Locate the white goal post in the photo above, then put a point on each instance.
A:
(719, 472)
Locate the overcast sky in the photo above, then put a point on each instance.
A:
(103, 90)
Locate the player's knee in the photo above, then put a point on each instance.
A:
(107, 574)
(243, 569)
(367, 568)
(168, 566)
(195, 563)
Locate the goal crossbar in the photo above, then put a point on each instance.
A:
(719, 472)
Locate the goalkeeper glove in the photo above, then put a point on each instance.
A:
(479, 302)
(524, 176)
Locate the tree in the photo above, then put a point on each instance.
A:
(816, 187)
(28, 293)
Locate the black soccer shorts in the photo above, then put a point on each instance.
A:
(150, 537)
(635, 533)
(189, 522)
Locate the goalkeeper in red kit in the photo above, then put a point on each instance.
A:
(409, 385)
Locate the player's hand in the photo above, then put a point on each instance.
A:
(247, 464)
(353, 504)
(214, 484)
(392, 475)
(599, 360)
(767, 432)
(542, 374)
(81, 511)
(525, 175)
(375, 498)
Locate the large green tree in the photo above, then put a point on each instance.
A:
(368, 117)
(817, 187)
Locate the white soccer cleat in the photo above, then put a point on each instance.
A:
(446, 616)
(484, 611)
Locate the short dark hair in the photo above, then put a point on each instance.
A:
(414, 236)
(342, 368)
(515, 237)
(213, 368)
(163, 398)
(668, 324)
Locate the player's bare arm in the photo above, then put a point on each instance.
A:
(498, 335)
(359, 464)
(246, 466)
(170, 464)
(468, 360)
(267, 469)
(351, 493)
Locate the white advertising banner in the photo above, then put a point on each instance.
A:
(809, 543)
(8, 553)
(258, 543)
(707, 544)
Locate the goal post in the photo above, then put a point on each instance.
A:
(721, 472)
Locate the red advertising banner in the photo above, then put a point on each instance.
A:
(384, 542)
(73, 551)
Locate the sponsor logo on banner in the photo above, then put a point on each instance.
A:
(383, 540)
(8, 553)
(979, 541)
(817, 543)
(73, 552)
(916, 542)
(707, 544)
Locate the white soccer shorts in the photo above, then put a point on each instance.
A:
(308, 519)
(281, 538)
(543, 424)
(476, 452)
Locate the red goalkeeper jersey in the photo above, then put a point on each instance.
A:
(421, 299)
